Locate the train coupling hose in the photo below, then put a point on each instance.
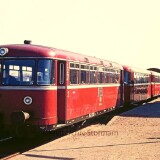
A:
(19, 117)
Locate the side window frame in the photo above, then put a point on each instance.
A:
(93, 75)
(74, 73)
(100, 75)
(46, 72)
(84, 74)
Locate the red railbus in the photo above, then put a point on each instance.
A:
(155, 76)
(46, 88)
(137, 85)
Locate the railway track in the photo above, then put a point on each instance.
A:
(5, 139)
(10, 147)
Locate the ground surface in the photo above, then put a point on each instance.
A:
(133, 135)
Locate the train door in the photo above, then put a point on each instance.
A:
(61, 91)
(121, 88)
(128, 88)
(152, 85)
(132, 87)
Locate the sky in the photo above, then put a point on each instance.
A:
(123, 31)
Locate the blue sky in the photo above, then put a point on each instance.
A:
(124, 31)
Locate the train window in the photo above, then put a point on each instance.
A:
(26, 73)
(0, 66)
(157, 79)
(74, 76)
(76, 65)
(83, 77)
(100, 77)
(74, 73)
(92, 77)
(83, 66)
(141, 78)
(71, 65)
(84, 74)
(135, 78)
(146, 78)
(126, 77)
(18, 72)
(111, 75)
(44, 72)
(117, 76)
(105, 77)
(61, 73)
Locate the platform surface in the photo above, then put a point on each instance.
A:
(133, 135)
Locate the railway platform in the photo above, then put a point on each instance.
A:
(134, 134)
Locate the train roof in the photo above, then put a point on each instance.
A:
(29, 50)
(128, 68)
(135, 69)
(154, 69)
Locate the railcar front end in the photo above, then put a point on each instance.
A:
(28, 94)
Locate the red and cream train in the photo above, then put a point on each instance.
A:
(47, 88)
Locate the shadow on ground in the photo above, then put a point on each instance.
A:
(147, 110)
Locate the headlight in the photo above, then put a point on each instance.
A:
(27, 100)
(3, 51)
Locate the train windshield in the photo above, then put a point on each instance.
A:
(27, 72)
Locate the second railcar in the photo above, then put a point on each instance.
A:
(155, 78)
(137, 85)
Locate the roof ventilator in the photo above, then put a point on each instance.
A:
(27, 42)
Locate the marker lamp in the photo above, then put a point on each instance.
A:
(27, 100)
(3, 51)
